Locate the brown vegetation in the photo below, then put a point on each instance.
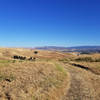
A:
(30, 80)
(52, 75)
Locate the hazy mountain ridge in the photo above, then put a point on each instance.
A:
(72, 49)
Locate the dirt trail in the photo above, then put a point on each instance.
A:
(84, 85)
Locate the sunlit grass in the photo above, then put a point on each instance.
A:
(7, 61)
(60, 68)
(6, 77)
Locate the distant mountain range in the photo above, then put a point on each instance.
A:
(83, 49)
(51, 48)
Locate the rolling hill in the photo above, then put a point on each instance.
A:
(53, 75)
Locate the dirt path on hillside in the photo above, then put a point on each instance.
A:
(84, 85)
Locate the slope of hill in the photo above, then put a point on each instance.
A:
(52, 75)
(42, 79)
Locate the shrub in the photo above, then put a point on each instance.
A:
(35, 52)
(87, 59)
(97, 60)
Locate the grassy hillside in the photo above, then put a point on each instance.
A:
(51, 76)
(43, 79)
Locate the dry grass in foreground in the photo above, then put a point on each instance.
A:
(50, 77)
(32, 81)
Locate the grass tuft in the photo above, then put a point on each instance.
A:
(7, 77)
(60, 68)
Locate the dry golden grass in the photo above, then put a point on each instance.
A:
(47, 78)
(7, 53)
(93, 65)
(84, 83)
(29, 80)
(32, 81)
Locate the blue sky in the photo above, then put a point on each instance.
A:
(30, 23)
